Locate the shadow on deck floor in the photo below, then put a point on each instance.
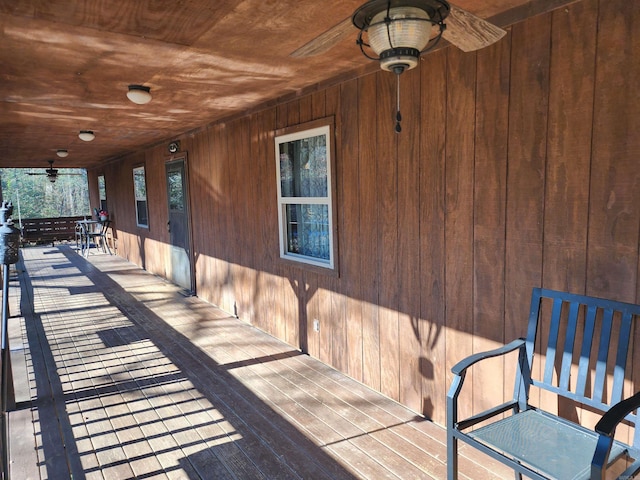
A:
(120, 376)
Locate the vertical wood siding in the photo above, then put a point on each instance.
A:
(518, 166)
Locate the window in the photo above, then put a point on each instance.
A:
(305, 210)
(102, 192)
(140, 193)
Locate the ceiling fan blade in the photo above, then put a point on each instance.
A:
(469, 32)
(325, 41)
(55, 174)
(465, 30)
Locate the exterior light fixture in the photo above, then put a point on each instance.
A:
(62, 153)
(397, 32)
(86, 135)
(139, 94)
(174, 147)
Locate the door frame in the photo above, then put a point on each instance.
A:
(182, 157)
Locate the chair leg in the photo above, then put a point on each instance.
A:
(106, 244)
(452, 457)
(452, 419)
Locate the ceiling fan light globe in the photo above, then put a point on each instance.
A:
(409, 29)
(62, 153)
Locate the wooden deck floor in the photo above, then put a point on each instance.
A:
(120, 376)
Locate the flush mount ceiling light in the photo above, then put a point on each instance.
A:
(397, 32)
(62, 153)
(139, 94)
(86, 135)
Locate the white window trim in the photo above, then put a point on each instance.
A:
(284, 201)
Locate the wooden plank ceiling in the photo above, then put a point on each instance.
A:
(65, 66)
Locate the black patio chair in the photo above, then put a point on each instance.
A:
(99, 237)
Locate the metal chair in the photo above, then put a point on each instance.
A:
(582, 345)
(79, 235)
(82, 229)
(99, 237)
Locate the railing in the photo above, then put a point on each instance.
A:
(48, 230)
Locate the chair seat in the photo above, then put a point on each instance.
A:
(547, 444)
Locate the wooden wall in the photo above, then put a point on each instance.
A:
(517, 166)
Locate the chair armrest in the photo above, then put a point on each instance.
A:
(460, 372)
(606, 428)
(462, 365)
(609, 421)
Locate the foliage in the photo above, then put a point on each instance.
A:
(34, 196)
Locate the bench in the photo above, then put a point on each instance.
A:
(587, 343)
(48, 230)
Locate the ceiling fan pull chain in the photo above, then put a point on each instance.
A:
(398, 115)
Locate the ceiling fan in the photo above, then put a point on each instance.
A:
(52, 173)
(463, 29)
(396, 32)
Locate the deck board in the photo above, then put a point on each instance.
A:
(124, 377)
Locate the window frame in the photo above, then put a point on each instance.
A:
(326, 127)
(140, 168)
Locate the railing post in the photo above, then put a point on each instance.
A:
(9, 244)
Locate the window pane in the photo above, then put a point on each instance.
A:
(303, 167)
(308, 230)
(102, 189)
(140, 192)
(176, 197)
(102, 193)
(141, 211)
(139, 186)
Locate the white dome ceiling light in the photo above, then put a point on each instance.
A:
(139, 94)
(86, 135)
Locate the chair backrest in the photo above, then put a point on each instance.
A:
(585, 344)
(84, 228)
